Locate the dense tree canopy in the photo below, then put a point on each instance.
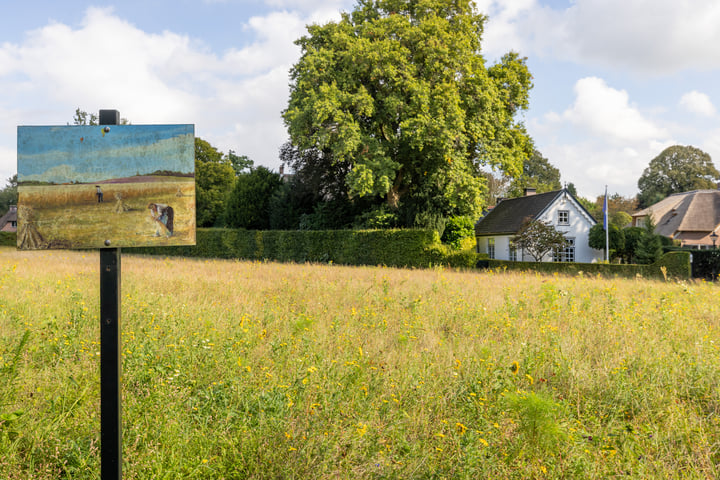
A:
(677, 169)
(617, 204)
(398, 93)
(248, 205)
(214, 178)
(616, 236)
(8, 195)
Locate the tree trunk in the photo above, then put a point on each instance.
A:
(395, 192)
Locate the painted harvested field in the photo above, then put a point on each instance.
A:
(70, 216)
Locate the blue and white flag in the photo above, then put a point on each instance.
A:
(605, 211)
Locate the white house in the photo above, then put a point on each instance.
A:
(495, 231)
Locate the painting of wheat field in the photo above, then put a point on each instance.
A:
(105, 186)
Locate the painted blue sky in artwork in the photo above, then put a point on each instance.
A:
(85, 154)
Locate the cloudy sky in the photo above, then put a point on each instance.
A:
(616, 81)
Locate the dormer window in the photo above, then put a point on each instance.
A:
(563, 217)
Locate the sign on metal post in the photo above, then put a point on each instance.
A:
(106, 186)
(110, 349)
(84, 186)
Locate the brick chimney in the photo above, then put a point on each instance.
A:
(529, 191)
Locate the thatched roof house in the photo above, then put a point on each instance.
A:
(8, 222)
(691, 217)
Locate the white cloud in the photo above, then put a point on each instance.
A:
(711, 145)
(501, 30)
(275, 35)
(601, 139)
(313, 10)
(699, 103)
(607, 112)
(650, 36)
(591, 164)
(234, 98)
(659, 36)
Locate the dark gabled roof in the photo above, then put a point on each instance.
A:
(508, 216)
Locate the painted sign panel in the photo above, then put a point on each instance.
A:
(106, 186)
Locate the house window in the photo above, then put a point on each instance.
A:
(491, 247)
(513, 253)
(563, 217)
(566, 254)
(14, 224)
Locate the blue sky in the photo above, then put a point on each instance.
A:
(616, 81)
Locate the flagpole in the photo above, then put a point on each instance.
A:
(607, 229)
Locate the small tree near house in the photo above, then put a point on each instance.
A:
(538, 238)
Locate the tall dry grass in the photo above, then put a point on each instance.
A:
(265, 370)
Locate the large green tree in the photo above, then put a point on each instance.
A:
(398, 91)
(214, 179)
(677, 169)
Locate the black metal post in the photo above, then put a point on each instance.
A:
(110, 351)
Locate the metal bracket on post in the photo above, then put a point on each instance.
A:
(110, 350)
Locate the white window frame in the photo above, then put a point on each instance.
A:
(512, 255)
(567, 254)
(491, 248)
(563, 217)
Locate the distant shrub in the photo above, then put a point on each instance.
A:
(8, 239)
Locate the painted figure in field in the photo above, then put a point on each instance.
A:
(163, 216)
(99, 194)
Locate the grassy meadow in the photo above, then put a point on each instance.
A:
(263, 370)
(70, 215)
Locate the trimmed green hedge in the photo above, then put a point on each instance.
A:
(706, 263)
(8, 239)
(393, 248)
(677, 266)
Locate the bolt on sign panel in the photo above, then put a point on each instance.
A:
(106, 186)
